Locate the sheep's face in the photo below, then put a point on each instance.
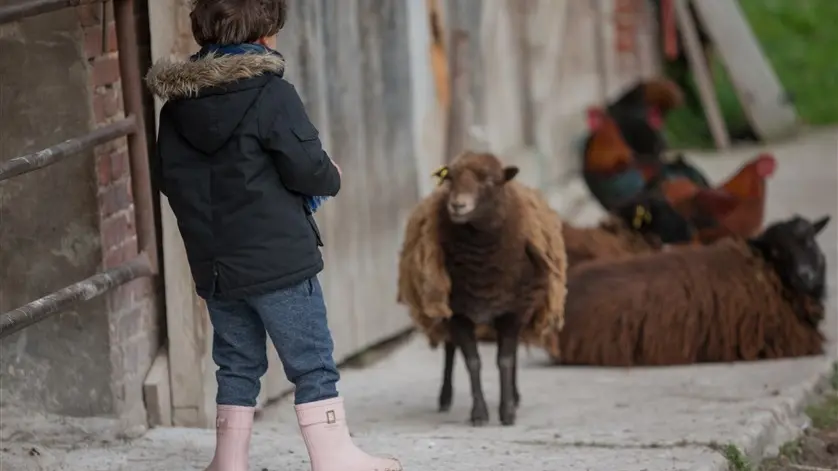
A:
(475, 185)
(792, 248)
(652, 214)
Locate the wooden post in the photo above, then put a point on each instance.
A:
(706, 89)
(599, 47)
(457, 128)
(439, 56)
(764, 100)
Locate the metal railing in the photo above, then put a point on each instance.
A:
(132, 127)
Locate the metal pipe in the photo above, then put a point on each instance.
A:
(19, 11)
(129, 69)
(38, 310)
(50, 155)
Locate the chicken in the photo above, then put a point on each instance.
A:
(609, 167)
(748, 185)
(639, 113)
(735, 207)
(612, 172)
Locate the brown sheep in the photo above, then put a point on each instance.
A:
(610, 240)
(642, 225)
(483, 252)
(733, 300)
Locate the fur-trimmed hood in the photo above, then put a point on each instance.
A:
(169, 79)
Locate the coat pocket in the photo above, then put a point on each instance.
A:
(316, 230)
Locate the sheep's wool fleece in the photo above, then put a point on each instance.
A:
(611, 240)
(424, 284)
(716, 303)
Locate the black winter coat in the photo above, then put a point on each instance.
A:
(236, 153)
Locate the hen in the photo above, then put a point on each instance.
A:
(748, 186)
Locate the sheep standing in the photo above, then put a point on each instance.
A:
(483, 252)
(733, 300)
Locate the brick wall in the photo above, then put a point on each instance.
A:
(134, 311)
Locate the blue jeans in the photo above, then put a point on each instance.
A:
(295, 319)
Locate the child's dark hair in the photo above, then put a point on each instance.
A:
(227, 22)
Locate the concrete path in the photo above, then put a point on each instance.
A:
(570, 418)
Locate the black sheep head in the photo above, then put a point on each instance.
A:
(475, 184)
(650, 214)
(791, 247)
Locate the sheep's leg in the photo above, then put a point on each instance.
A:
(446, 394)
(463, 335)
(516, 395)
(508, 329)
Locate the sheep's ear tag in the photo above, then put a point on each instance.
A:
(641, 216)
(440, 174)
(330, 417)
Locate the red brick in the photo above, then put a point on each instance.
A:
(115, 198)
(117, 229)
(110, 147)
(105, 71)
(119, 164)
(103, 170)
(93, 40)
(128, 298)
(117, 256)
(106, 104)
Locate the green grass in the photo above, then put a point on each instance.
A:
(736, 459)
(824, 415)
(799, 38)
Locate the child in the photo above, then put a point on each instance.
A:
(243, 169)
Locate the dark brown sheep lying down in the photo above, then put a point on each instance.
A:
(730, 301)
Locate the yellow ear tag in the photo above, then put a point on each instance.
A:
(440, 174)
(639, 216)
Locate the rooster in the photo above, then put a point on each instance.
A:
(609, 168)
(640, 112)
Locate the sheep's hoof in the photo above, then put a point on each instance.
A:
(445, 400)
(479, 416)
(507, 413)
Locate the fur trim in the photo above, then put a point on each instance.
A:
(168, 79)
(424, 285)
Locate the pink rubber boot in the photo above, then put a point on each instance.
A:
(329, 445)
(232, 438)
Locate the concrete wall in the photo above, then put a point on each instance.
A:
(64, 223)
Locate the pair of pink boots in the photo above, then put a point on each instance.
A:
(324, 429)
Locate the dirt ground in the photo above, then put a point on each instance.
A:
(817, 449)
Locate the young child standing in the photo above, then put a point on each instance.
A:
(243, 169)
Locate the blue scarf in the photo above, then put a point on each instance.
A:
(312, 202)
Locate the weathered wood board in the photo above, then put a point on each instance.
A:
(764, 100)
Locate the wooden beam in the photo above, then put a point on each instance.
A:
(157, 391)
(706, 89)
(439, 54)
(764, 100)
(600, 51)
(456, 137)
